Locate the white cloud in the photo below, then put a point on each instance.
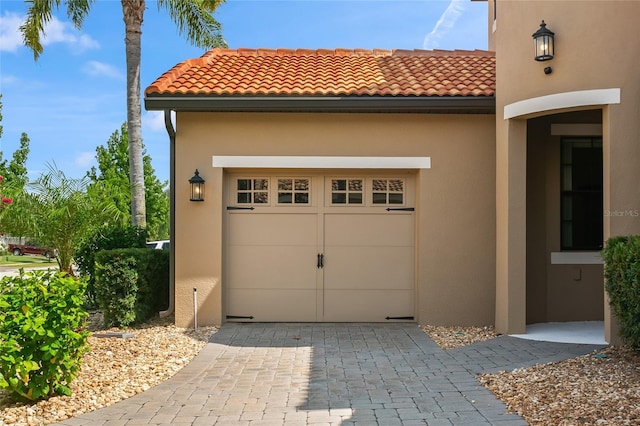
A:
(8, 79)
(57, 31)
(154, 121)
(85, 159)
(445, 24)
(100, 69)
(86, 42)
(10, 37)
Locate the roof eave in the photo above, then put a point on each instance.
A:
(400, 104)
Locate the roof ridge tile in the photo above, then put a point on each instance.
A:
(243, 51)
(301, 52)
(246, 52)
(442, 52)
(267, 52)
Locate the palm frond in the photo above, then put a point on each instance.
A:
(195, 21)
(77, 10)
(38, 14)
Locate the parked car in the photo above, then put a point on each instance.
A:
(159, 245)
(22, 249)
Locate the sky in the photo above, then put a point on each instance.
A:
(73, 98)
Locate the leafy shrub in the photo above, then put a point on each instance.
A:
(106, 237)
(155, 276)
(622, 273)
(132, 285)
(42, 336)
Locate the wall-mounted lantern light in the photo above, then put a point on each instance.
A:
(544, 43)
(197, 187)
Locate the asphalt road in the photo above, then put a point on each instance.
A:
(13, 270)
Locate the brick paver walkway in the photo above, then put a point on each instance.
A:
(332, 374)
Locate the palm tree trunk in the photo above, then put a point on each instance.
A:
(133, 15)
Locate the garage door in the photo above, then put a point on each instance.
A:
(319, 248)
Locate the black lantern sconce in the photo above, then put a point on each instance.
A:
(197, 187)
(544, 43)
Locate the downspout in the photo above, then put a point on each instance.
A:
(172, 209)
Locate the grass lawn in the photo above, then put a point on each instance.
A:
(26, 261)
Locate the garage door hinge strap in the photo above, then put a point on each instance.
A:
(320, 260)
(401, 209)
(400, 318)
(232, 317)
(239, 208)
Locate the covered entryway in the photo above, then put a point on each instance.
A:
(315, 247)
(565, 281)
(558, 198)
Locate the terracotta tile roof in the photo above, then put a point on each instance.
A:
(339, 72)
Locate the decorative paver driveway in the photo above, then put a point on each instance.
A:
(332, 374)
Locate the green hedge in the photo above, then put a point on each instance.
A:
(105, 237)
(132, 285)
(42, 335)
(622, 281)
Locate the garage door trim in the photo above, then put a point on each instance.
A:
(320, 162)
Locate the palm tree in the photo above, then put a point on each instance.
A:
(193, 19)
(57, 212)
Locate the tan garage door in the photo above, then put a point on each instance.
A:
(319, 248)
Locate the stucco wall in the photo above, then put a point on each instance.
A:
(455, 201)
(596, 48)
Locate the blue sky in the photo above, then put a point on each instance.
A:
(73, 98)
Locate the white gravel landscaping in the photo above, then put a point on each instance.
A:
(113, 370)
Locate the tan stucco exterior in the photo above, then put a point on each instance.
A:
(487, 209)
(454, 199)
(596, 48)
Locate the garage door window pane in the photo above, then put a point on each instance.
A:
(339, 198)
(284, 197)
(301, 184)
(355, 198)
(261, 184)
(396, 185)
(379, 185)
(387, 191)
(395, 199)
(252, 191)
(285, 184)
(339, 185)
(244, 184)
(379, 198)
(261, 197)
(346, 191)
(293, 191)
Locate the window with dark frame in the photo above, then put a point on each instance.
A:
(252, 191)
(347, 191)
(581, 193)
(387, 191)
(293, 191)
